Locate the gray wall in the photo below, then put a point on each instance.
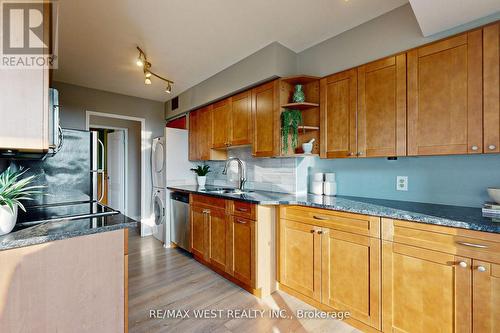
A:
(271, 61)
(390, 33)
(133, 159)
(76, 100)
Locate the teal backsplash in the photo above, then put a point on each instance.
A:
(453, 180)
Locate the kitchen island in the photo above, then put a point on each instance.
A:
(66, 276)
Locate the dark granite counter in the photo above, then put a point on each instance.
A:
(445, 215)
(64, 228)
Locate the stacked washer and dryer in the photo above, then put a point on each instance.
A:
(170, 165)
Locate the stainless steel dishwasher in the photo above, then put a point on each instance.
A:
(180, 225)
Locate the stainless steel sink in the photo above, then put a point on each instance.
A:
(222, 190)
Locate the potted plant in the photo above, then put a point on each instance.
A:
(201, 174)
(13, 189)
(290, 121)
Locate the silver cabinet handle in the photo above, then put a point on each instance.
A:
(462, 264)
(481, 269)
(320, 218)
(492, 147)
(242, 209)
(241, 221)
(312, 231)
(474, 148)
(360, 153)
(350, 154)
(320, 232)
(479, 246)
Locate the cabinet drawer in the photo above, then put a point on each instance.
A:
(467, 243)
(205, 200)
(243, 209)
(355, 223)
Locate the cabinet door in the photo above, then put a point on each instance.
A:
(486, 297)
(300, 258)
(198, 227)
(382, 108)
(217, 230)
(193, 136)
(351, 275)
(424, 290)
(221, 115)
(445, 96)
(491, 86)
(241, 119)
(204, 128)
(338, 115)
(242, 239)
(266, 122)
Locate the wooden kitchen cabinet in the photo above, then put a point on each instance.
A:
(221, 121)
(381, 116)
(200, 136)
(217, 238)
(199, 226)
(300, 258)
(193, 136)
(425, 290)
(24, 105)
(266, 121)
(486, 296)
(445, 96)
(351, 275)
(241, 119)
(241, 236)
(491, 88)
(338, 107)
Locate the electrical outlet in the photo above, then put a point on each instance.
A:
(402, 183)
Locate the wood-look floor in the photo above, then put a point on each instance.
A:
(169, 279)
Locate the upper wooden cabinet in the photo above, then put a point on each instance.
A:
(241, 119)
(445, 96)
(381, 117)
(338, 108)
(266, 122)
(221, 120)
(491, 86)
(200, 136)
(24, 105)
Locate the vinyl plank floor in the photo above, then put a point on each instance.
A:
(169, 279)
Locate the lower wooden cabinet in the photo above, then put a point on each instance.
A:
(198, 226)
(486, 297)
(241, 237)
(425, 290)
(217, 234)
(300, 258)
(350, 275)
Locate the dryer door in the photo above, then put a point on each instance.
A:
(159, 213)
(158, 162)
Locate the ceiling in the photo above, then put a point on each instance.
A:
(187, 40)
(429, 13)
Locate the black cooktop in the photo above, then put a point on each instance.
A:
(72, 210)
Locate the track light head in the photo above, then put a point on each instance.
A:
(147, 74)
(147, 81)
(168, 89)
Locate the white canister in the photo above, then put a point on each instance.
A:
(318, 177)
(330, 188)
(330, 177)
(317, 188)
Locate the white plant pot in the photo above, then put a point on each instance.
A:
(202, 180)
(7, 219)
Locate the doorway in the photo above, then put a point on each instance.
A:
(113, 185)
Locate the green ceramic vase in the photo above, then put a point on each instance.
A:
(298, 94)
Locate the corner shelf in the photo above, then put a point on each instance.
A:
(300, 106)
(308, 128)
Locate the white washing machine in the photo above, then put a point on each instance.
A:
(158, 163)
(160, 211)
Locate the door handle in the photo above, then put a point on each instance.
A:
(320, 218)
(242, 209)
(241, 221)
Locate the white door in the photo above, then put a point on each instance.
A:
(116, 170)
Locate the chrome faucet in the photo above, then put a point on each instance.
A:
(241, 171)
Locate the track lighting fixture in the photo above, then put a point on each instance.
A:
(143, 62)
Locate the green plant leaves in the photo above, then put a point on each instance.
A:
(13, 188)
(290, 121)
(201, 170)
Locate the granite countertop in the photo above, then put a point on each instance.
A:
(64, 228)
(444, 215)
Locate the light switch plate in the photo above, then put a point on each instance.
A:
(402, 183)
